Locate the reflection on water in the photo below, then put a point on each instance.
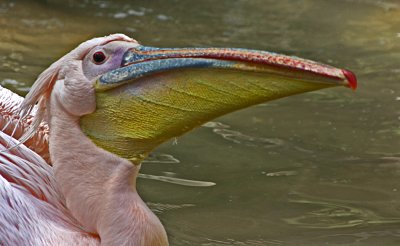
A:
(159, 208)
(240, 138)
(315, 169)
(161, 158)
(330, 216)
(178, 181)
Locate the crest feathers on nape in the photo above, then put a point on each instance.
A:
(39, 94)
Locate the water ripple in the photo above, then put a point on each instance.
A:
(240, 138)
(329, 215)
(282, 173)
(251, 141)
(178, 181)
(161, 207)
(361, 236)
(381, 4)
(161, 158)
(250, 242)
(52, 23)
(215, 124)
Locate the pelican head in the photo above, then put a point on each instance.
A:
(153, 94)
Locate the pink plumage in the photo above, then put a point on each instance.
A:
(32, 209)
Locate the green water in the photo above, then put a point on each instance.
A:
(321, 168)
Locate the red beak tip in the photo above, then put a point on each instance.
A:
(351, 78)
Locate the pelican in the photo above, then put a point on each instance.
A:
(71, 149)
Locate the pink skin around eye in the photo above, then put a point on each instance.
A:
(112, 61)
(116, 58)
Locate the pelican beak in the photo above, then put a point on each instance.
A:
(158, 94)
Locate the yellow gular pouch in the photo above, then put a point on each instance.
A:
(135, 117)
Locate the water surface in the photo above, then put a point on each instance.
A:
(321, 168)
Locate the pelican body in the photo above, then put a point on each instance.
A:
(71, 150)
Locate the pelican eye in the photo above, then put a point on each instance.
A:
(99, 57)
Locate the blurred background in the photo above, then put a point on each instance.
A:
(321, 168)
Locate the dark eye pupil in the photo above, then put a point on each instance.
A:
(99, 57)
